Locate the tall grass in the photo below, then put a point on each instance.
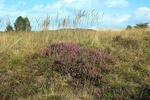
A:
(79, 19)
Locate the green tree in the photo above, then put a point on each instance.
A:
(9, 28)
(129, 27)
(27, 24)
(19, 24)
(22, 24)
(141, 25)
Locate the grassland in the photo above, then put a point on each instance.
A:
(128, 78)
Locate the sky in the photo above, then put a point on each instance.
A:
(117, 14)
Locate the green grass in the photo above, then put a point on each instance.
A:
(33, 79)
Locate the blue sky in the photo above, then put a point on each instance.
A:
(117, 13)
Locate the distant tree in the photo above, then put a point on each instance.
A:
(22, 24)
(9, 28)
(27, 24)
(141, 25)
(129, 27)
(19, 24)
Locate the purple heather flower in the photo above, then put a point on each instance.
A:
(78, 61)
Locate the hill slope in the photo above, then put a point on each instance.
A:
(26, 74)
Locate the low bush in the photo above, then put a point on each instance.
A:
(82, 64)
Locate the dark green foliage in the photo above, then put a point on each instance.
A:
(9, 28)
(19, 24)
(138, 26)
(141, 25)
(27, 24)
(129, 27)
(22, 24)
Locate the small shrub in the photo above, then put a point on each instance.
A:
(81, 63)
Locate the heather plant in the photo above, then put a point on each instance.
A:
(79, 62)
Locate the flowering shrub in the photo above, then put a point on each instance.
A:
(83, 64)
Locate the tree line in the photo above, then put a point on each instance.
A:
(138, 26)
(21, 24)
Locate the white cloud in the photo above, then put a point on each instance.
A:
(61, 6)
(142, 13)
(116, 3)
(123, 18)
(1, 4)
(11, 10)
(78, 4)
(69, 1)
(8, 11)
(116, 19)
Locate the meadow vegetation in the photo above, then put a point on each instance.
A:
(75, 64)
